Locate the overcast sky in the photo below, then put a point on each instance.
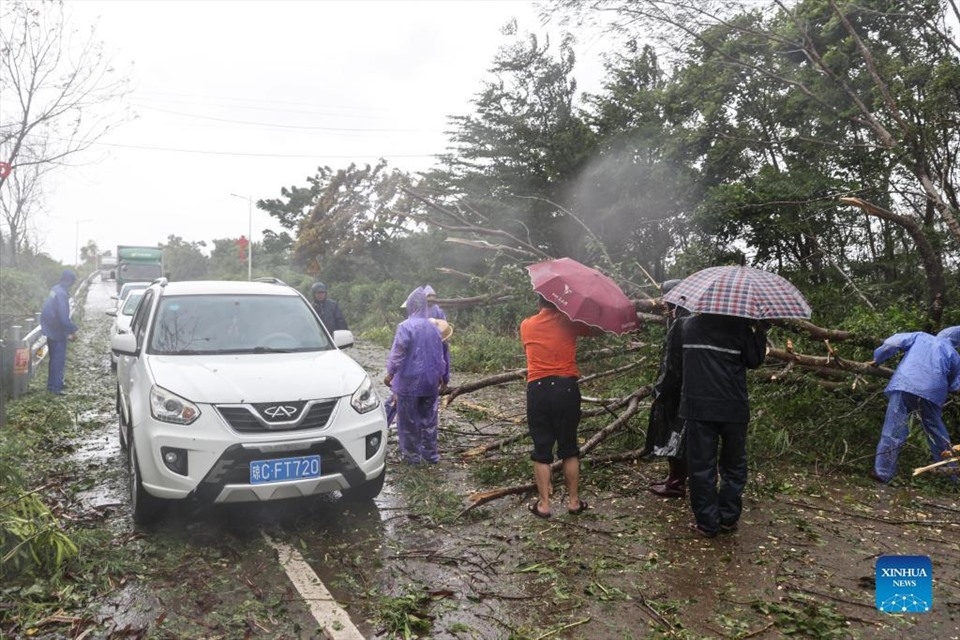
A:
(244, 97)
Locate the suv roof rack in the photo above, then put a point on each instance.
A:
(270, 280)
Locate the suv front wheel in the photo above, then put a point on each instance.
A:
(146, 508)
(123, 423)
(366, 491)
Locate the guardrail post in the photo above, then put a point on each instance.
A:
(5, 383)
(21, 362)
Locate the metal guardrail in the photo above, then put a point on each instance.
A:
(22, 353)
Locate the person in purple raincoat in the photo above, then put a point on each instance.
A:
(929, 369)
(433, 309)
(416, 373)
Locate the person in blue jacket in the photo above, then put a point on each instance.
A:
(417, 371)
(56, 325)
(929, 369)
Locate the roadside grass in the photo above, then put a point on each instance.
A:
(33, 541)
(54, 557)
(427, 496)
(406, 615)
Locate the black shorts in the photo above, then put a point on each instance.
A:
(553, 416)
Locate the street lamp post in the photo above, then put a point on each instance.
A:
(249, 200)
(76, 245)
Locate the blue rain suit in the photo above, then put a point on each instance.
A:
(416, 367)
(56, 325)
(930, 369)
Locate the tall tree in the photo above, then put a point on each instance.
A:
(863, 93)
(184, 260)
(20, 199)
(640, 186)
(516, 157)
(58, 94)
(355, 213)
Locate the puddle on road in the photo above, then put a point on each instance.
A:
(130, 612)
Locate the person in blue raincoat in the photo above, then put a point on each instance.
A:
(929, 369)
(416, 373)
(56, 325)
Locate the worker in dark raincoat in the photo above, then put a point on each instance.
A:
(717, 351)
(665, 433)
(327, 308)
(929, 369)
(56, 325)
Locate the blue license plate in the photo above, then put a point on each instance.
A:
(280, 469)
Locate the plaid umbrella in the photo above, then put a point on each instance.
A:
(584, 295)
(739, 291)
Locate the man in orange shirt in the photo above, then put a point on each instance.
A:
(553, 401)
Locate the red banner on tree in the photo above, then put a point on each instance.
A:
(242, 243)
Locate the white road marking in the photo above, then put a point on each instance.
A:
(333, 620)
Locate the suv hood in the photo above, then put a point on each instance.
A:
(265, 377)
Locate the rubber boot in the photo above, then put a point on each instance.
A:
(675, 484)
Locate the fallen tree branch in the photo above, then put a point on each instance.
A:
(482, 497)
(829, 362)
(490, 381)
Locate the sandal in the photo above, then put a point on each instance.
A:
(583, 506)
(534, 508)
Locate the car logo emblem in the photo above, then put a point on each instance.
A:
(279, 412)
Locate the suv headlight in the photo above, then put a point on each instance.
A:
(169, 407)
(365, 399)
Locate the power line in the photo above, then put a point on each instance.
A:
(280, 126)
(263, 155)
(347, 111)
(252, 154)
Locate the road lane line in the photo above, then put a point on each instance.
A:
(331, 617)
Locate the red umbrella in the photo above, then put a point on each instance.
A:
(739, 291)
(584, 295)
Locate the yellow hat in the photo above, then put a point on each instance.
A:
(444, 327)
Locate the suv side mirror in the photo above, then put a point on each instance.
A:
(343, 338)
(124, 344)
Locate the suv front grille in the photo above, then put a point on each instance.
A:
(271, 417)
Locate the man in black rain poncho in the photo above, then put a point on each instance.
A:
(665, 435)
(717, 351)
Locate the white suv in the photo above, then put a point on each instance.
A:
(234, 392)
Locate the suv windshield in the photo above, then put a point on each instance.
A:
(226, 324)
(131, 303)
(133, 271)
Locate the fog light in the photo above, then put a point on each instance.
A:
(373, 444)
(174, 459)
